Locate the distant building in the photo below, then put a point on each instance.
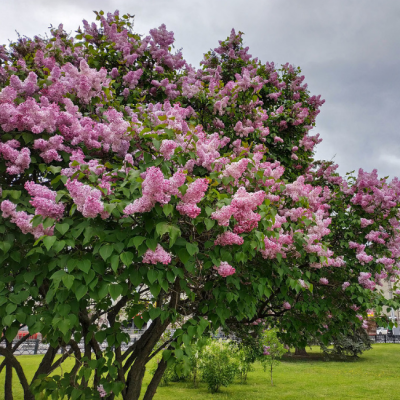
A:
(394, 315)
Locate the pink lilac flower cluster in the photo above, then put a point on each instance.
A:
(225, 269)
(345, 285)
(44, 201)
(286, 306)
(361, 254)
(274, 246)
(102, 392)
(87, 199)
(49, 148)
(372, 193)
(159, 255)
(18, 161)
(23, 220)
(365, 222)
(85, 82)
(364, 280)
(156, 189)
(194, 194)
(242, 209)
(228, 238)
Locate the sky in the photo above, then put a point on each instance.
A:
(348, 50)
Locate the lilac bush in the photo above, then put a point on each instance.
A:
(137, 187)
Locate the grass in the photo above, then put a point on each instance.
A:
(375, 375)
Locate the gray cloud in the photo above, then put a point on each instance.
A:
(348, 51)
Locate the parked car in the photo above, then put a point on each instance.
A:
(24, 332)
(382, 331)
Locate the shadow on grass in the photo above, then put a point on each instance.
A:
(320, 358)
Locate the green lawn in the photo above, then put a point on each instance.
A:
(375, 376)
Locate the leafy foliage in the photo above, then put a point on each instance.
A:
(218, 365)
(348, 346)
(273, 350)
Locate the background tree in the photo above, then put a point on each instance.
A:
(273, 351)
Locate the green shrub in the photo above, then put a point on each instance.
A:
(218, 365)
(350, 345)
(246, 356)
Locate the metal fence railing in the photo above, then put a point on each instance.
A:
(38, 346)
(385, 338)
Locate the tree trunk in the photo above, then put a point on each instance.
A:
(152, 388)
(272, 383)
(9, 356)
(8, 395)
(300, 351)
(135, 379)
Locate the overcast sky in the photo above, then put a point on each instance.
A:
(349, 52)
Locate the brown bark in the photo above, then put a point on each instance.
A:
(8, 395)
(47, 361)
(153, 385)
(20, 372)
(300, 351)
(135, 379)
(15, 347)
(141, 355)
(143, 350)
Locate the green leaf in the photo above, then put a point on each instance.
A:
(138, 240)
(81, 291)
(62, 228)
(28, 137)
(174, 233)
(155, 289)
(152, 275)
(48, 241)
(58, 246)
(168, 209)
(100, 336)
(166, 354)
(154, 313)
(5, 246)
(68, 281)
(183, 255)
(136, 278)
(162, 228)
(126, 258)
(11, 333)
(115, 262)
(29, 277)
(36, 220)
(84, 265)
(58, 275)
(209, 223)
(170, 276)
(106, 251)
(138, 322)
(178, 354)
(11, 307)
(151, 244)
(63, 326)
(115, 291)
(192, 248)
(15, 194)
(48, 222)
(8, 320)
